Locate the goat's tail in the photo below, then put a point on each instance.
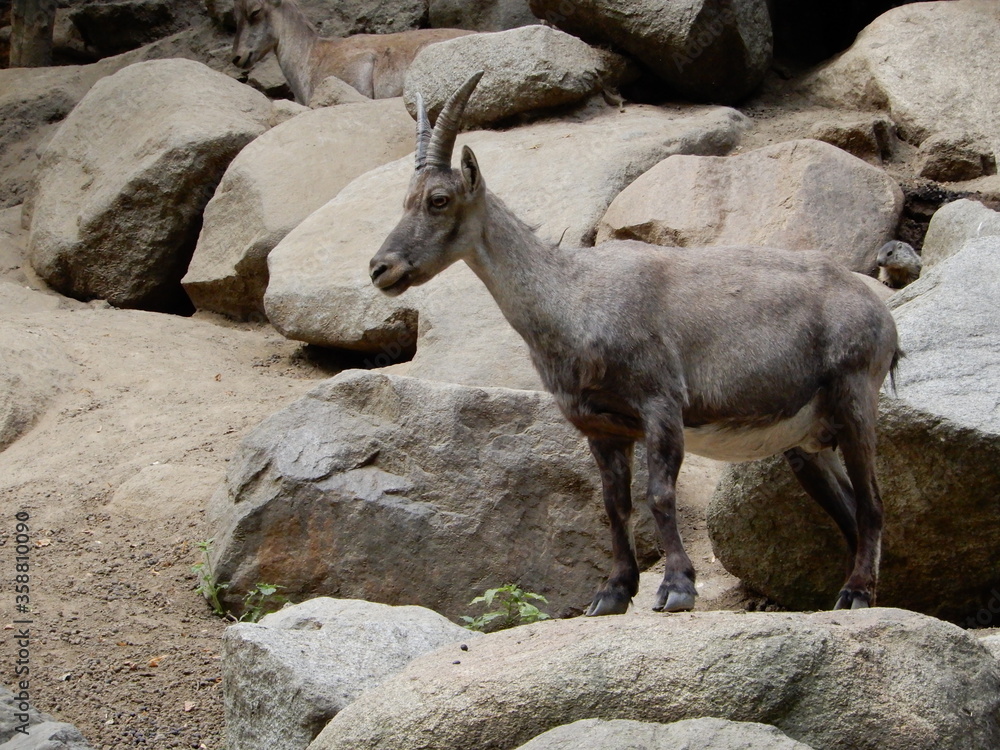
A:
(894, 365)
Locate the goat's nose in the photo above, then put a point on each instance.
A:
(236, 60)
(377, 269)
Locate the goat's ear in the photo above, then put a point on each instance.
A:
(470, 170)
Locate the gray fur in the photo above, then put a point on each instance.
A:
(757, 350)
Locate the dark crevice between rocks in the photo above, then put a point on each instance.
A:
(332, 361)
(922, 198)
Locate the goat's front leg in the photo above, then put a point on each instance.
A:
(665, 452)
(614, 459)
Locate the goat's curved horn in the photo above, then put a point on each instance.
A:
(447, 124)
(423, 132)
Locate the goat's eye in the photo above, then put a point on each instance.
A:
(254, 14)
(439, 201)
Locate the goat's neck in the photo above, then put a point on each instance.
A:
(296, 40)
(529, 278)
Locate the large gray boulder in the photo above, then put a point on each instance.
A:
(559, 176)
(287, 676)
(924, 64)
(529, 68)
(955, 224)
(799, 195)
(122, 185)
(707, 50)
(938, 459)
(404, 491)
(486, 15)
(690, 734)
(276, 182)
(34, 369)
(33, 101)
(879, 678)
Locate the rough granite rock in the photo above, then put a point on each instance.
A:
(953, 225)
(869, 138)
(938, 459)
(122, 185)
(285, 677)
(924, 64)
(706, 50)
(798, 195)
(689, 734)
(876, 679)
(33, 101)
(528, 68)
(952, 157)
(992, 642)
(404, 491)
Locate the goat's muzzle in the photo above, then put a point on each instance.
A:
(392, 278)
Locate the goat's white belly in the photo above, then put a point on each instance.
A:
(750, 443)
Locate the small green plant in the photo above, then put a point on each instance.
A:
(257, 602)
(206, 586)
(514, 609)
(260, 600)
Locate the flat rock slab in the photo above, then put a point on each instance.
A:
(925, 64)
(878, 679)
(690, 734)
(276, 182)
(319, 290)
(530, 68)
(285, 677)
(798, 195)
(938, 459)
(34, 369)
(122, 185)
(404, 491)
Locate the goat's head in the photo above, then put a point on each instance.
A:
(443, 209)
(255, 35)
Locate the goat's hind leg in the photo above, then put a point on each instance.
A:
(614, 459)
(823, 478)
(854, 412)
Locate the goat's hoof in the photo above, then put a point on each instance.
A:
(853, 599)
(677, 601)
(676, 595)
(607, 603)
